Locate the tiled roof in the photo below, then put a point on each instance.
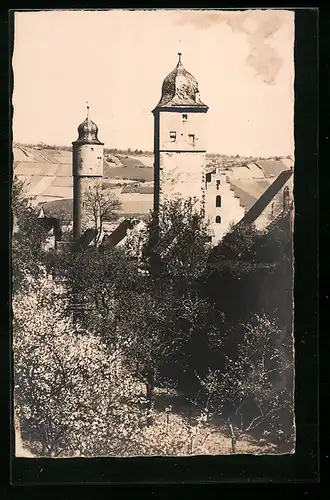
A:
(119, 233)
(272, 168)
(259, 169)
(85, 240)
(249, 190)
(180, 88)
(266, 197)
(88, 133)
(51, 223)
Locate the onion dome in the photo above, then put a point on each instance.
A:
(87, 131)
(180, 88)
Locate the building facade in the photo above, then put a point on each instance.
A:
(87, 170)
(222, 207)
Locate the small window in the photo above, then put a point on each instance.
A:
(92, 149)
(191, 138)
(218, 201)
(218, 184)
(184, 118)
(172, 136)
(218, 219)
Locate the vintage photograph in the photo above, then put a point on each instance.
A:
(152, 233)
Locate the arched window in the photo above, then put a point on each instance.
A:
(218, 201)
(218, 219)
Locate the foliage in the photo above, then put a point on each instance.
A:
(136, 241)
(95, 279)
(100, 205)
(28, 236)
(70, 390)
(255, 385)
(248, 260)
(178, 245)
(197, 321)
(73, 394)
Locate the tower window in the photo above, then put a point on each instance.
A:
(172, 136)
(184, 118)
(218, 201)
(218, 219)
(191, 138)
(218, 184)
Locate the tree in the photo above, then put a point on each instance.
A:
(255, 387)
(100, 205)
(178, 245)
(28, 236)
(65, 221)
(136, 241)
(72, 394)
(98, 279)
(165, 318)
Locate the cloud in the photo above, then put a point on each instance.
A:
(258, 26)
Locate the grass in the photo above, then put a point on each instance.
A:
(213, 437)
(177, 426)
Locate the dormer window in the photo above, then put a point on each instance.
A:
(184, 118)
(172, 136)
(191, 138)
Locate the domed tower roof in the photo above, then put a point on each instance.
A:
(180, 89)
(87, 131)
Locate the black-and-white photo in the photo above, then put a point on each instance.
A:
(152, 238)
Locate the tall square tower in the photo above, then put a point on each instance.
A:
(179, 140)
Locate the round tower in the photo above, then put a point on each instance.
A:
(87, 170)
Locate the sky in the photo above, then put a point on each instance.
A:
(117, 60)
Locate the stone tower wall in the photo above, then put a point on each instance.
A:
(182, 175)
(87, 160)
(87, 172)
(183, 123)
(180, 156)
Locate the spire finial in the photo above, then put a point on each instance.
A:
(179, 54)
(87, 105)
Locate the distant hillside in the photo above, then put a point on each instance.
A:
(47, 173)
(125, 158)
